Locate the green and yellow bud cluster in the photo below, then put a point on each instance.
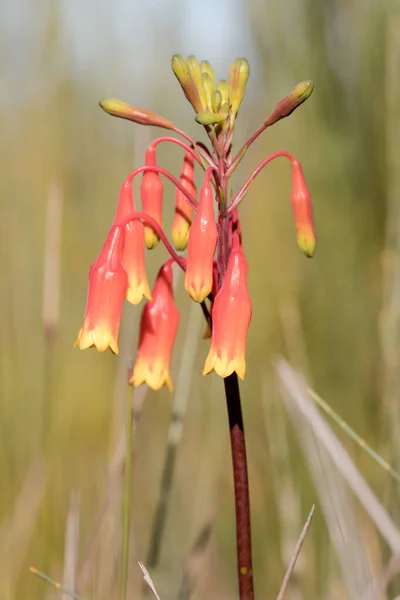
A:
(215, 104)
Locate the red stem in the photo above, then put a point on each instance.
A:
(189, 198)
(235, 203)
(203, 151)
(236, 429)
(169, 138)
(144, 217)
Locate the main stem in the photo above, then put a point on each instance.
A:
(241, 485)
(236, 429)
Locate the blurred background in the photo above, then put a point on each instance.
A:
(334, 318)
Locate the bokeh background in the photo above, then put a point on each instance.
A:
(335, 318)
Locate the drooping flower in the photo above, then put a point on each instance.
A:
(151, 191)
(158, 329)
(106, 293)
(133, 252)
(231, 315)
(201, 247)
(300, 200)
(183, 210)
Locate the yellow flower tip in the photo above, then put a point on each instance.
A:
(198, 291)
(155, 376)
(307, 242)
(135, 293)
(76, 342)
(210, 362)
(224, 366)
(103, 339)
(180, 238)
(151, 238)
(85, 339)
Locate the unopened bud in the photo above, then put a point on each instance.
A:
(210, 118)
(208, 87)
(238, 76)
(117, 108)
(225, 89)
(216, 101)
(300, 200)
(297, 96)
(181, 71)
(195, 72)
(205, 67)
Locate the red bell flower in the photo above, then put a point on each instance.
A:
(300, 200)
(133, 252)
(158, 329)
(183, 210)
(152, 191)
(231, 315)
(201, 246)
(106, 293)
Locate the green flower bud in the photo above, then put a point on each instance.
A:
(297, 96)
(205, 67)
(238, 76)
(210, 118)
(117, 108)
(216, 101)
(195, 72)
(225, 89)
(208, 87)
(181, 71)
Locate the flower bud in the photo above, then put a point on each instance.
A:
(297, 96)
(106, 293)
(117, 108)
(231, 315)
(205, 67)
(158, 327)
(195, 73)
(183, 210)
(133, 252)
(208, 86)
(210, 118)
(181, 71)
(238, 76)
(300, 200)
(201, 247)
(152, 191)
(216, 101)
(225, 89)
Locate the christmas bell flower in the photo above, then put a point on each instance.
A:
(158, 329)
(106, 294)
(152, 191)
(201, 246)
(133, 252)
(300, 200)
(183, 210)
(231, 315)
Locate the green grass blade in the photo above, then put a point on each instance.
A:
(354, 435)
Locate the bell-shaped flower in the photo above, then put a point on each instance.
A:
(201, 247)
(183, 210)
(231, 315)
(300, 200)
(152, 192)
(158, 329)
(133, 253)
(106, 294)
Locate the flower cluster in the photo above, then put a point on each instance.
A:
(206, 224)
